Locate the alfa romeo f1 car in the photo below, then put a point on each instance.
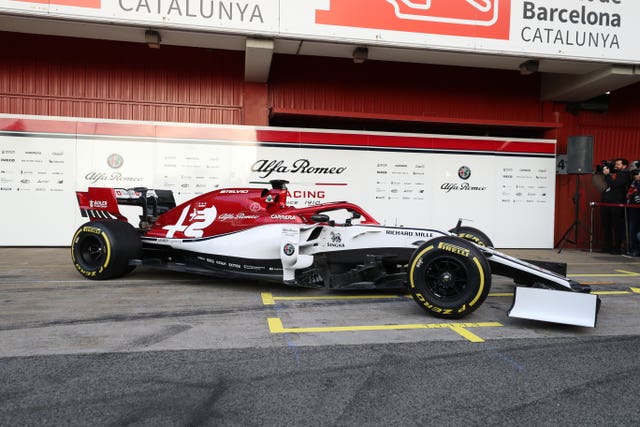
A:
(252, 233)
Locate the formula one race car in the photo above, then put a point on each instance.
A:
(252, 233)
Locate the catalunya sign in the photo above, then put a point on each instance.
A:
(601, 30)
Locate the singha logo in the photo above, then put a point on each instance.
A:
(336, 240)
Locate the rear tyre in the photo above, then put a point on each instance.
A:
(102, 249)
(473, 235)
(449, 277)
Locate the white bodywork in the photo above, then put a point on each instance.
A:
(554, 306)
(293, 246)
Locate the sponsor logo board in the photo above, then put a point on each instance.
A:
(487, 197)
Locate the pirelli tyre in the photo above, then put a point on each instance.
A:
(449, 277)
(102, 249)
(473, 235)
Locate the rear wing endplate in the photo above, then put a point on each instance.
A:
(103, 203)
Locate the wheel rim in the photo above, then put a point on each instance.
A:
(446, 278)
(92, 251)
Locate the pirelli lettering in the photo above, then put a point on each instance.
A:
(94, 230)
(454, 249)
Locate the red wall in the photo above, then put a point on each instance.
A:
(99, 79)
(616, 133)
(331, 84)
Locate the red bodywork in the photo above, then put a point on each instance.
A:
(97, 203)
(211, 214)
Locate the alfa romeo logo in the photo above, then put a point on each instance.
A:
(288, 249)
(464, 172)
(115, 161)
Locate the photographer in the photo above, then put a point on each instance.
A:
(633, 198)
(613, 221)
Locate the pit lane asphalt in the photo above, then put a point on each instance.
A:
(158, 348)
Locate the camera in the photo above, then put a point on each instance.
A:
(610, 164)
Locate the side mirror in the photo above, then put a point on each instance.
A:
(279, 184)
(320, 218)
(354, 215)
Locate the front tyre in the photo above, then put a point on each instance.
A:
(102, 249)
(449, 277)
(473, 235)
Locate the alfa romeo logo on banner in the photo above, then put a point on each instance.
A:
(115, 161)
(464, 172)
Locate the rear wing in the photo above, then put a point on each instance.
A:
(103, 203)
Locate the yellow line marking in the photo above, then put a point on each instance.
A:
(611, 293)
(598, 283)
(465, 334)
(621, 273)
(269, 299)
(276, 327)
(633, 290)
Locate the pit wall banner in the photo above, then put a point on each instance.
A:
(505, 187)
(603, 30)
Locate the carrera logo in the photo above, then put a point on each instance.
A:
(93, 4)
(284, 217)
(465, 18)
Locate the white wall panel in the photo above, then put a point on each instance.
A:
(401, 179)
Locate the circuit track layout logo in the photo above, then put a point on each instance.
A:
(465, 18)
